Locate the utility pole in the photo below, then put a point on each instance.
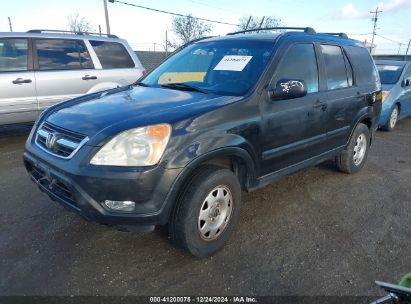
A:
(374, 19)
(166, 43)
(107, 20)
(11, 27)
(406, 52)
(399, 48)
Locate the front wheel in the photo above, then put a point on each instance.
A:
(206, 213)
(392, 121)
(352, 159)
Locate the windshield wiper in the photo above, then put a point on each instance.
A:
(183, 86)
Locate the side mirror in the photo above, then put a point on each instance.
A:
(288, 89)
(406, 82)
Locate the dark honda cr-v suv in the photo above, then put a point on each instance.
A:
(220, 116)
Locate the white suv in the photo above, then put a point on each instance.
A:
(40, 68)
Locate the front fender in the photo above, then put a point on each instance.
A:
(205, 149)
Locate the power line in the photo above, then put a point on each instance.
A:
(171, 13)
(205, 3)
(389, 39)
(350, 34)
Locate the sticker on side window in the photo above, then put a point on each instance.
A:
(233, 63)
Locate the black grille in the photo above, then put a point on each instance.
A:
(52, 183)
(66, 142)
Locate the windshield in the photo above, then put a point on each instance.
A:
(219, 67)
(389, 74)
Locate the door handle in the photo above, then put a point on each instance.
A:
(89, 77)
(21, 80)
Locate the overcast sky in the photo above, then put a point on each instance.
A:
(144, 28)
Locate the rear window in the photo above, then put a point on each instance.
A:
(364, 68)
(62, 54)
(112, 55)
(13, 54)
(335, 66)
(389, 74)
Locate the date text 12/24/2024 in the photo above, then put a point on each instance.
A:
(203, 299)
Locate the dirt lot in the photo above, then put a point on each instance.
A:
(318, 232)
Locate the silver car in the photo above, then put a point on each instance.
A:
(40, 68)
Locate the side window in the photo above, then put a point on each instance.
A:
(407, 74)
(13, 54)
(349, 70)
(112, 55)
(60, 54)
(299, 63)
(335, 66)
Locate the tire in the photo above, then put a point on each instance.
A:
(199, 210)
(353, 158)
(392, 120)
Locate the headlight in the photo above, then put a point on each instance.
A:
(136, 147)
(385, 95)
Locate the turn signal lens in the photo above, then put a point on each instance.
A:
(385, 95)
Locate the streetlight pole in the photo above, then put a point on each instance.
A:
(107, 20)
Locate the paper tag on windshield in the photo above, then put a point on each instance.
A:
(233, 63)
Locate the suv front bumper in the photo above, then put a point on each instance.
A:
(152, 191)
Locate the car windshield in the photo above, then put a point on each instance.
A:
(219, 67)
(389, 74)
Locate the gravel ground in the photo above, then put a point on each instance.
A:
(317, 232)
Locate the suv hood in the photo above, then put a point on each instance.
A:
(133, 106)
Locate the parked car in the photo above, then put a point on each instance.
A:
(396, 95)
(41, 68)
(252, 108)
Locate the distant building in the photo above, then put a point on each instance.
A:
(150, 60)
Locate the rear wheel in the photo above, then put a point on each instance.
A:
(205, 216)
(352, 159)
(392, 121)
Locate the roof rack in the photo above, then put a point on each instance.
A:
(72, 32)
(342, 35)
(308, 30)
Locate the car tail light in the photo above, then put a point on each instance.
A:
(144, 73)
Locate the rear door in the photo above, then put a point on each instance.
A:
(116, 67)
(343, 97)
(294, 129)
(64, 70)
(18, 102)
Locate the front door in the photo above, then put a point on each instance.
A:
(294, 129)
(64, 70)
(18, 102)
